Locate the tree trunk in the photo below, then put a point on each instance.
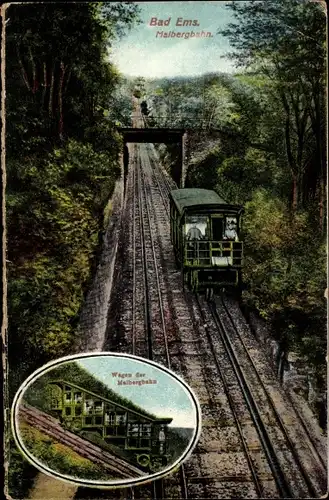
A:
(294, 192)
(51, 91)
(34, 73)
(322, 202)
(60, 100)
(23, 71)
(295, 184)
(67, 80)
(44, 84)
(211, 117)
(321, 206)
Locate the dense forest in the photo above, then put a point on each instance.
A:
(256, 136)
(63, 101)
(260, 142)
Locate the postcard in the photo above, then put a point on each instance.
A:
(164, 170)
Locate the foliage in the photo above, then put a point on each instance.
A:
(58, 68)
(258, 138)
(73, 372)
(238, 177)
(120, 105)
(281, 44)
(285, 40)
(21, 473)
(62, 105)
(137, 94)
(286, 288)
(53, 225)
(201, 172)
(58, 457)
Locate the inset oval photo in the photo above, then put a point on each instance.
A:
(105, 420)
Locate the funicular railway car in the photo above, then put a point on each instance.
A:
(205, 235)
(142, 436)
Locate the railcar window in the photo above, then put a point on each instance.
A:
(121, 418)
(146, 429)
(77, 397)
(98, 407)
(89, 405)
(196, 227)
(67, 397)
(230, 232)
(133, 430)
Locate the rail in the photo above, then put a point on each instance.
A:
(158, 485)
(83, 447)
(251, 465)
(273, 461)
(276, 414)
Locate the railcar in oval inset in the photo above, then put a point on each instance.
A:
(105, 420)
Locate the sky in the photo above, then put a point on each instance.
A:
(166, 398)
(142, 53)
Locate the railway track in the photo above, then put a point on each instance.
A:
(154, 309)
(161, 187)
(108, 461)
(296, 475)
(235, 406)
(166, 325)
(316, 450)
(312, 480)
(311, 472)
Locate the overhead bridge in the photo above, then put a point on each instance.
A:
(164, 135)
(158, 135)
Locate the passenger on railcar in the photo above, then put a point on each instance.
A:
(194, 233)
(195, 228)
(230, 232)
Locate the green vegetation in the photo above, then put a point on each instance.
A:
(62, 163)
(262, 144)
(64, 99)
(21, 474)
(178, 441)
(59, 457)
(72, 372)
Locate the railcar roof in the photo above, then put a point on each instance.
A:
(189, 197)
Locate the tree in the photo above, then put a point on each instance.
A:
(285, 40)
(58, 68)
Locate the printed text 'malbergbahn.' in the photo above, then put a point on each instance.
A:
(184, 34)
